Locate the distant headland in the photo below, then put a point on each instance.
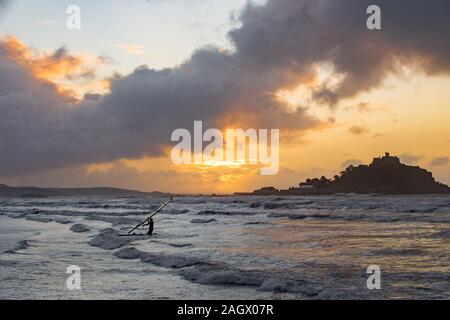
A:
(35, 192)
(385, 175)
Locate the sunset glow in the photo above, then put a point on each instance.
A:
(405, 111)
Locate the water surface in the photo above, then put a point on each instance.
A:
(228, 247)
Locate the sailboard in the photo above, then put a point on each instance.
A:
(147, 220)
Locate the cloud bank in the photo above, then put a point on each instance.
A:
(279, 45)
(440, 162)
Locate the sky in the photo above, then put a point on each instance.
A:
(96, 106)
(163, 32)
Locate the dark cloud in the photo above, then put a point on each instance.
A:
(440, 162)
(357, 130)
(40, 129)
(295, 34)
(276, 47)
(409, 158)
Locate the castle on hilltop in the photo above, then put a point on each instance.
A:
(387, 159)
(385, 175)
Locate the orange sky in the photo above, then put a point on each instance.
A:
(408, 115)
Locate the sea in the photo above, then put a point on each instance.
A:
(342, 246)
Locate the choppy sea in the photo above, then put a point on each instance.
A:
(316, 247)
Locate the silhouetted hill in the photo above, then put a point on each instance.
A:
(34, 192)
(385, 175)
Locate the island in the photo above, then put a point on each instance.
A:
(385, 175)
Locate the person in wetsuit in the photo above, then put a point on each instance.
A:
(150, 227)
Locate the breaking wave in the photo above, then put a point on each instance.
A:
(211, 273)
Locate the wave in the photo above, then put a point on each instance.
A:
(175, 212)
(225, 213)
(21, 245)
(204, 221)
(110, 239)
(287, 205)
(298, 216)
(202, 271)
(79, 228)
(39, 219)
(160, 260)
(254, 223)
(442, 234)
(179, 245)
(361, 215)
(399, 252)
(115, 221)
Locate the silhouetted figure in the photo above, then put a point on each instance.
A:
(150, 227)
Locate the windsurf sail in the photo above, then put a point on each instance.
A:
(147, 220)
